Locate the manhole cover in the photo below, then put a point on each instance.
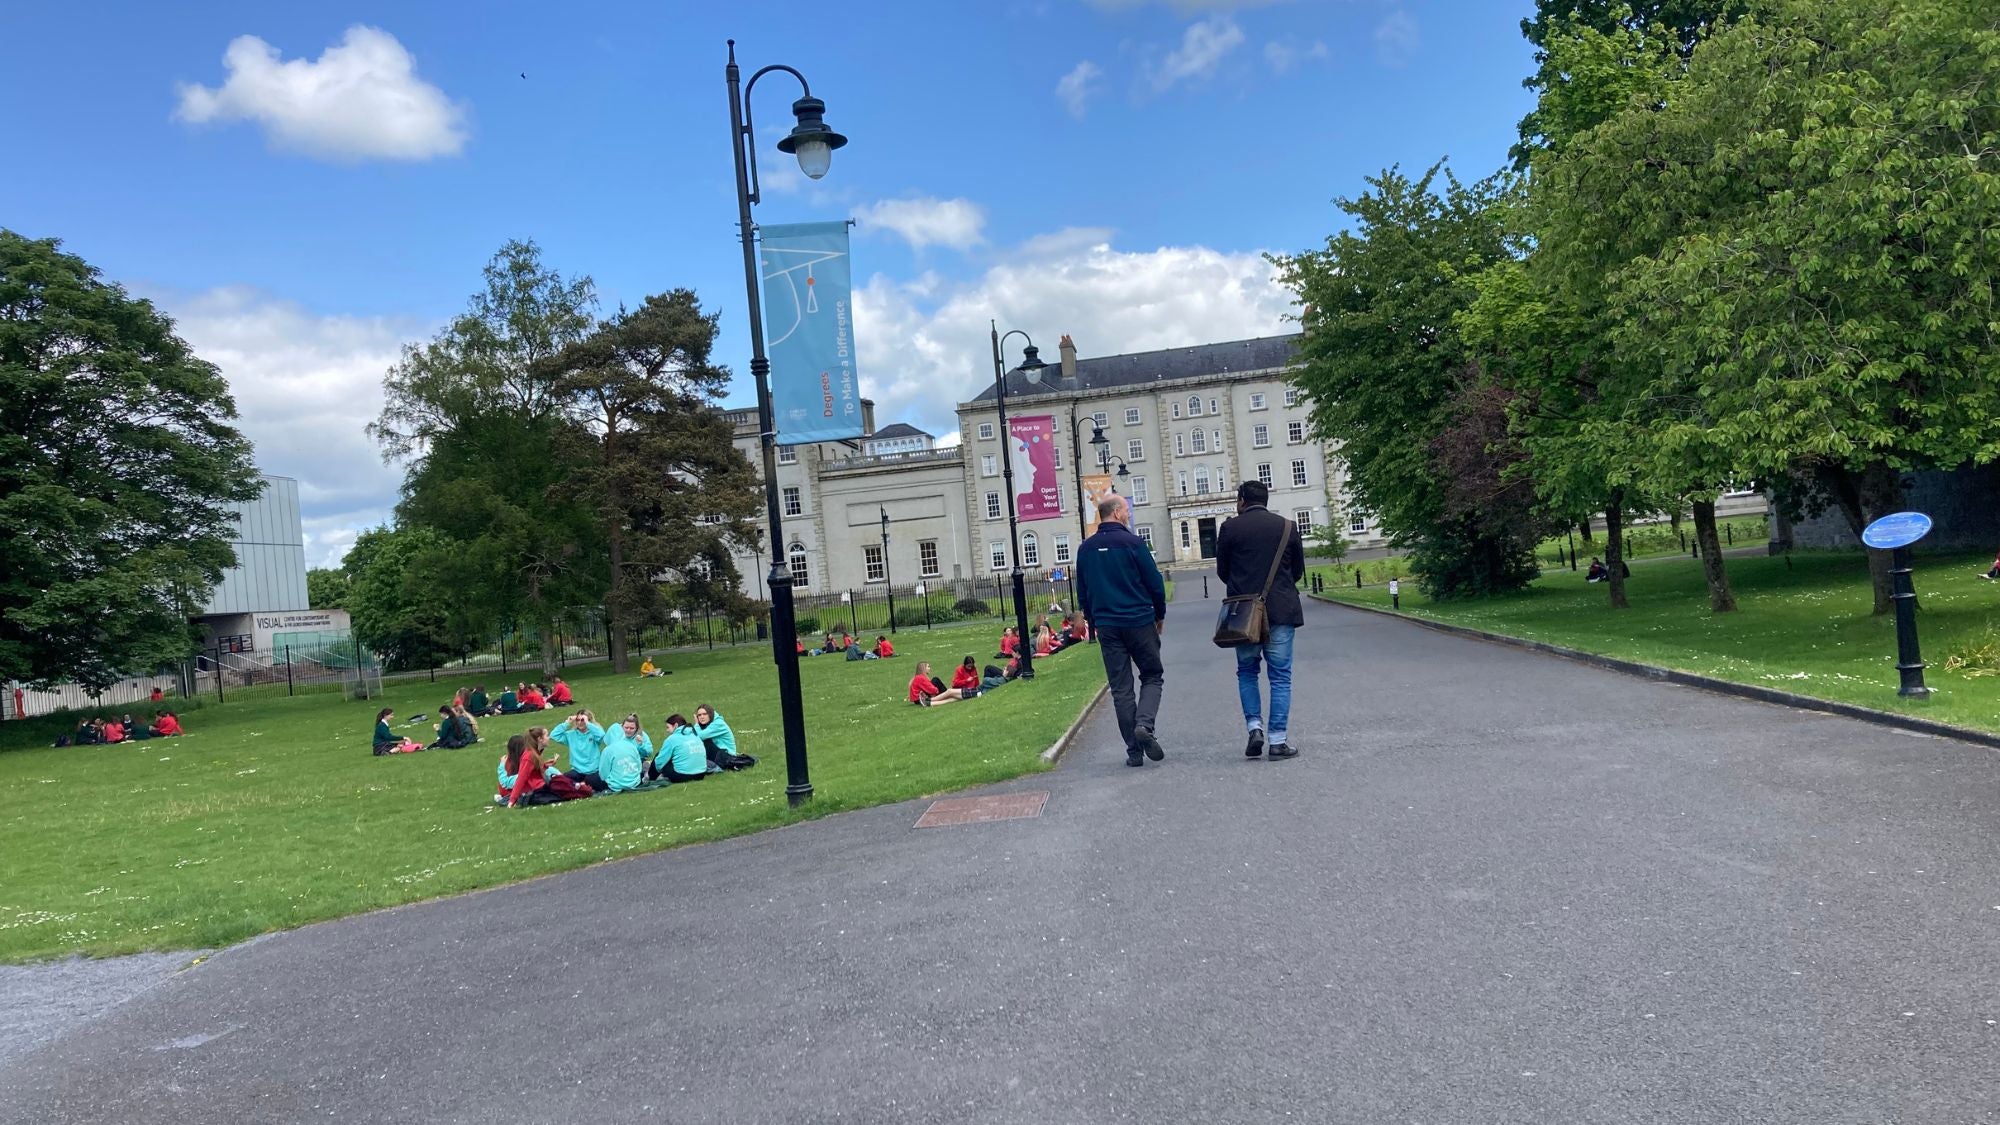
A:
(978, 810)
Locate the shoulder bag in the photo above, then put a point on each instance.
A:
(1242, 621)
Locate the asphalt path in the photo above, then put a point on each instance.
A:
(1497, 887)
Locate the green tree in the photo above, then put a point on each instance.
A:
(326, 588)
(1384, 366)
(118, 468)
(398, 599)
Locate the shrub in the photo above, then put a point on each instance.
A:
(807, 623)
(972, 607)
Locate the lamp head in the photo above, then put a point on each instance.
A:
(1124, 470)
(810, 140)
(1031, 364)
(1097, 438)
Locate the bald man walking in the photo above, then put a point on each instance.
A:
(1125, 600)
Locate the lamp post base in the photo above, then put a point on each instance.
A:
(1021, 626)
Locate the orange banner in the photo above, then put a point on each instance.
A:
(1096, 486)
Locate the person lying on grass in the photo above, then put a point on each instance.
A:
(533, 784)
(966, 678)
(387, 741)
(993, 678)
(623, 763)
(682, 756)
(584, 740)
(927, 690)
(718, 740)
(883, 649)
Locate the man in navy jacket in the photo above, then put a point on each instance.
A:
(1125, 601)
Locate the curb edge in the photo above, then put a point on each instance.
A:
(1061, 745)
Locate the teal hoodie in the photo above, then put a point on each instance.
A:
(725, 739)
(623, 765)
(584, 745)
(683, 751)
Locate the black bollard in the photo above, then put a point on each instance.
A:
(1204, 587)
(1909, 662)
(1357, 578)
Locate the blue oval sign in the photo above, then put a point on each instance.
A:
(1898, 530)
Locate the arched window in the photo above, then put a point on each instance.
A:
(1031, 550)
(801, 577)
(1185, 541)
(1194, 406)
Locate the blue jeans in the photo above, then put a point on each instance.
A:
(1275, 653)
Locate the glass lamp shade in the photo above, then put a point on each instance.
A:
(1097, 437)
(815, 157)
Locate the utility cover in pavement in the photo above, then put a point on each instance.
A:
(978, 810)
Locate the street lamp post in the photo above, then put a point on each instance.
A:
(813, 143)
(1031, 366)
(1098, 442)
(888, 580)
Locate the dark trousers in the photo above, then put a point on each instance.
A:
(593, 779)
(1123, 647)
(672, 774)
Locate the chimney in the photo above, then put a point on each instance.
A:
(867, 417)
(1068, 350)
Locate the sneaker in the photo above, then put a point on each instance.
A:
(923, 700)
(1147, 744)
(1255, 747)
(1134, 758)
(1280, 751)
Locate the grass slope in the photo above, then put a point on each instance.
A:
(1807, 629)
(272, 813)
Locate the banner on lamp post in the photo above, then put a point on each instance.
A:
(1096, 486)
(809, 331)
(1031, 442)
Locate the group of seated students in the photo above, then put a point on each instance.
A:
(967, 682)
(104, 732)
(844, 642)
(622, 760)
(514, 700)
(1049, 639)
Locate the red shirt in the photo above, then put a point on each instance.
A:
(885, 649)
(1008, 643)
(1079, 630)
(167, 725)
(965, 679)
(114, 732)
(532, 698)
(1046, 645)
(802, 647)
(921, 686)
(529, 779)
(847, 640)
(559, 695)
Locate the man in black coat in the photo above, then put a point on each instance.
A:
(1244, 552)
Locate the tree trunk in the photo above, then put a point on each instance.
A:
(550, 646)
(1881, 493)
(615, 645)
(1583, 527)
(1614, 548)
(1720, 599)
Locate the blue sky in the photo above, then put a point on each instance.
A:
(1113, 169)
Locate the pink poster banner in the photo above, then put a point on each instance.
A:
(1037, 489)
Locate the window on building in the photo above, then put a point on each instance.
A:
(1180, 445)
(787, 454)
(1177, 409)
(1194, 406)
(1135, 450)
(1131, 415)
(1101, 419)
(1186, 540)
(1298, 474)
(1062, 500)
(1356, 522)
(1295, 432)
(792, 505)
(1215, 439)
(1260, 436)
(1031, 550)
(1199, 441)
(1201, 480)
(871, 561)
(985, 431)
(1211, 407)
(927, 558)
(1057, 447)
(1139, 491)
(1145, 531)
(996, 555)
(993, 511)
(1062, 549)
(801, 577)
(1183, 482)
(1304, 518)
(1257, 402)
(1291, 396)
(989, 465)
(1264, 474)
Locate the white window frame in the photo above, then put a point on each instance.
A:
(1145, 531)
(1295, 432)
(1201, 480)
(1357, 523)
(788, 455)
(1180, 445)
(928, 565)
(1264, 476)
(1199, 440)
(1299, 475)
(1212, 407)
(1100, 419)
(1062, 550)
(1186, 541)
(1177, 408)
(1194, 406)
(1056, 448)
(1260, 436)
(1291, 396)
(1304, 518)
(1135, 449)
(994, 509)
(1215, 439)
(794, 501)
(1031, 549)
(874, 567)
(996, 554)
(985, 431)
(1258, 401)
(1139, 491)
(989, 465)
(1184, 482)
(801, 567)
(1131, 415)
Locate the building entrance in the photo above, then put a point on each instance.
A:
(1207, 532)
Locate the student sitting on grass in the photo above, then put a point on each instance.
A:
(165, 724)
(846, 641)
(559, 695)
(1045, 642)
(856, 652)
(718, 740)
(387, 741)
(537, 739)
(114, 731)
(508, 703)
(649, 669)
(533, 698)
(477, 702)
(584, 740)
(682, 756)
(1010, 642)
(1079, 629)
(966, 678)
(883, 649)
(802, 647)
(623, 763)
(451, 733)
(533, 784)
(928, 691)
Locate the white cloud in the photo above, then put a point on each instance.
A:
(1284, 55)
(1076, 87)
(925, 349)
(1395, 38)
(1204, 45)
(305, 385)
(925, 221)
(361, 100)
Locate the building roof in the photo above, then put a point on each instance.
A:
(1144, 369)
(896, 430)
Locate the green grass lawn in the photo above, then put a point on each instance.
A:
(1807, 629)
(272, 813)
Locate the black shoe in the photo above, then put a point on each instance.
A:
(1255, 747)
(1281, 751)
(1147, 744)
(1134, 758)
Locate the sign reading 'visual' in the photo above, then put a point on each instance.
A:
(809, 332)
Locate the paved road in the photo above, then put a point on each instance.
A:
(1498, 888)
